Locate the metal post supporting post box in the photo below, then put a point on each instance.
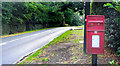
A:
(94, 59)
(87, 12)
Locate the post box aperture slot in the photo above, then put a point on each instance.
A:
(95, 41)
(95, 23)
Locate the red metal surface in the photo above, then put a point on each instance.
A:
(95, 23)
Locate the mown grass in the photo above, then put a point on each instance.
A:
(3, 36)
(62, 38)
(79, 33)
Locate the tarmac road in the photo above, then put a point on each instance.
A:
(15, 48)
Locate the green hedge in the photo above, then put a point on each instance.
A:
(112, 25)
(10, 29)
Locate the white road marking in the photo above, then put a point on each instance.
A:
(33, 35)
(21, 38)
(3, 43)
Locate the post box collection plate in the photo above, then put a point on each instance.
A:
(95, 34)
(95, 41)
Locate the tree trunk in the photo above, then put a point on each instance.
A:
(27, 26)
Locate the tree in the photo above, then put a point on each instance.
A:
(37, 15)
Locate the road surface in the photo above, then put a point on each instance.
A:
(15, 48)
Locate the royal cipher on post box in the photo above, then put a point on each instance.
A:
(95, 34)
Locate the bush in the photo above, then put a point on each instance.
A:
(5, 29)
(112, 24)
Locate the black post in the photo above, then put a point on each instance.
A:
(94, 59)
(87, 12)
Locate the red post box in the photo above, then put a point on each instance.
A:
(95, 32)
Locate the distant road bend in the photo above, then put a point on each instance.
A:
(16, 47)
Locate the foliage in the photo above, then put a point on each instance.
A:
(37, 15)
(112, 22)
(118, 51)
(115, 5)
(45, 59)
(113, 63)
(68, 14)
(7, 12)
(77, 20)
